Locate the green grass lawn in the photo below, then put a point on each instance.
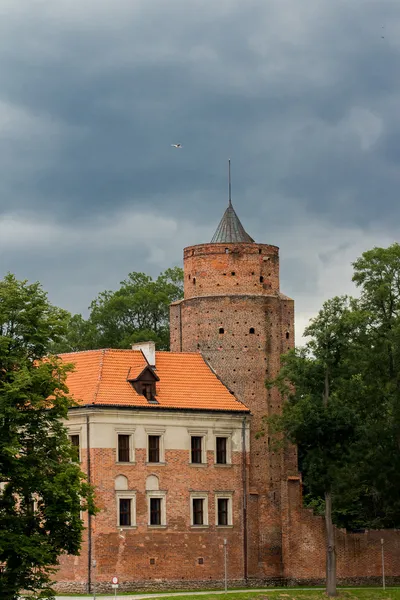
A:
(363, 594)
(292, 594)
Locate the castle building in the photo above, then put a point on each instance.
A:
(169, 441)
(234, 314)
(166, 446)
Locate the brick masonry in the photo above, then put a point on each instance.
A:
(232, 290)
(359, 558)
(145, 556)
(234, 314)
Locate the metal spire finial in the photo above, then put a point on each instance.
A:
(230, 230)
(229, 178)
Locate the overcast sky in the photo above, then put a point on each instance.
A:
(302, 95)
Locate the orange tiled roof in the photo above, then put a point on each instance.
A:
(186, 381)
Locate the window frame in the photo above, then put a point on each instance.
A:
(155, 511)
(228, 436)
(76, 430)
(202, 433)
(224, 496)
(78, 434)
(161, 451)
(161, 495)
(120, 450)
(126, 495)
(219, 453)
(148, 390)
(197, 512)
(131, 433)
(128, 512)
(199, 496)
(156, 449)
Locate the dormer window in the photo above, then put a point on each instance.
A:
(145, 384)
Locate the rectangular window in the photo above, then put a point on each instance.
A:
(155, 511)
(125, 511)
(147, 390)
(154, 448)
(124, 448)
(223, 514)
(74, 439)
(197, 449)
(221, 457)
(198, 511)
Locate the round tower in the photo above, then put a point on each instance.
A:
(234, 314)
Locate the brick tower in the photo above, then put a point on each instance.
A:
(235, 315)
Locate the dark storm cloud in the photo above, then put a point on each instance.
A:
(303, 96)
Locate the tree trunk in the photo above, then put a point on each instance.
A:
(330, 548)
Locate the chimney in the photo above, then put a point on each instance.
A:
(149, 351)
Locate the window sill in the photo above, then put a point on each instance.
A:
(127, 462)
(156, 526)
(126, 527)
(224, 526)
(157, 464)
(198, 464)
(223, 465)
(199, 526)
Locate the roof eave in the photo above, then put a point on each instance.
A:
(158, 407)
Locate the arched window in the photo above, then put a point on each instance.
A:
(251, 330)
(221, 330)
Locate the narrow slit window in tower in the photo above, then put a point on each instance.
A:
(251, 330)
(221, 330)
(261, 278)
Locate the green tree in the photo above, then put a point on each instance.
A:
(137, 311)
(343, 403)
(80, 334)
(319, 383)
(377, 274)
(42, 488)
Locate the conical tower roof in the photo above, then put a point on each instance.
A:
(230, 229)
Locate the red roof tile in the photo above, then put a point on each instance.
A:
(186, 381)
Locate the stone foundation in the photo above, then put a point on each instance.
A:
(155, 586)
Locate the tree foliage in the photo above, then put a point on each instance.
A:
(342, 392)
(316, 382)
(42, 488)
(137, 311)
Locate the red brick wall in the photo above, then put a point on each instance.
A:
(211, 270)
(285, 540)
(228, 295)
(358, 555)
(176, 548)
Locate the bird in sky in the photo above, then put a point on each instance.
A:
(176, 145)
